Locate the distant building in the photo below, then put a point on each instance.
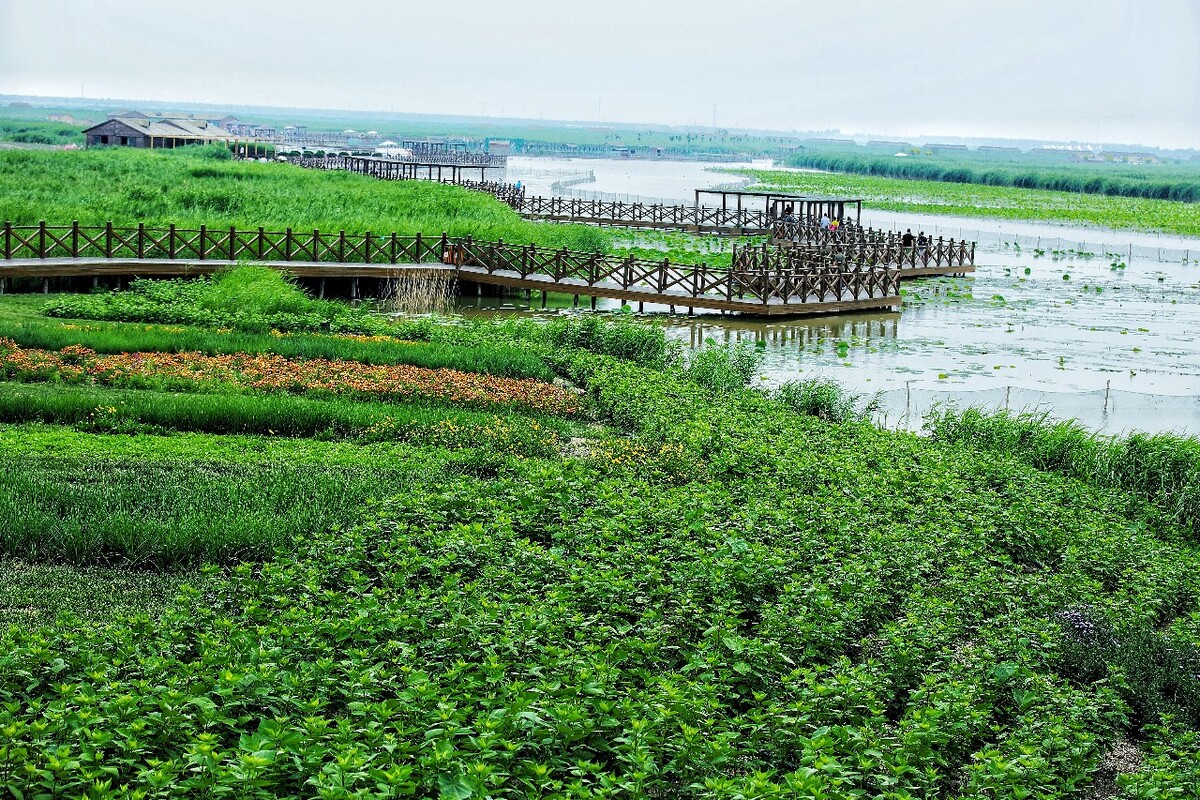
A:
(946, 146)
(1130, 158)
(156, 132)
(831, 141)
(990, 148)
(890, 145)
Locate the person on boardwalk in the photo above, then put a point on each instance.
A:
(824, 222)
(907, 238)
(922, 245)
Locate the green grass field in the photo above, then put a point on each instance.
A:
(188, 189)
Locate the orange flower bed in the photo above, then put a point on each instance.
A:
(273, 373)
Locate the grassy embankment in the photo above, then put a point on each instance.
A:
(189, 189)
(1003, 202)
(685, 589)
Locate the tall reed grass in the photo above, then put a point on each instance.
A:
(419, 291)
(1163, 469)
(127, 186)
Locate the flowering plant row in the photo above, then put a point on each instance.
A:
(273, 373)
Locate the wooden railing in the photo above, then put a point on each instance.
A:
(616, 212)
(849, 243)
(219, 244)
(880, 249)
(816, 278)
(757, 275)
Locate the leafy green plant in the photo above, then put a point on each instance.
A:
(824, 399)
(724, 368)
(615, 336)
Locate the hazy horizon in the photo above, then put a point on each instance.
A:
(1106, 71)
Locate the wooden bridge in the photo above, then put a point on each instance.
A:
(847, 245)
(761, 281)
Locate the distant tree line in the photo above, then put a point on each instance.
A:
(1158, 182)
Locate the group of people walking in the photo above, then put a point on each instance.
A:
(920, 241)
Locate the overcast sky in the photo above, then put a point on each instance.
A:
(1089, 70)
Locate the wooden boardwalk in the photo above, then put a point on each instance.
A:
(848, 245)
(766, 281)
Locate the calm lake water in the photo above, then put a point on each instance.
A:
(1113, 342)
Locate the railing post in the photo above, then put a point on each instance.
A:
(367, 248)
(260, 242)
(232, 241)
(108, 237)
(42, 239)
(203, 235)
(141, 240)
(74, 238)
(170, 241)
(445, 246)
(395, 244)
(8, 226)
(341, 247)
(287, 246)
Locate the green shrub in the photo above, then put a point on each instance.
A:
(724, 368)
(615, 336)
(213, 152)
(1158, 678)
(245, 298)
(824, 399)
